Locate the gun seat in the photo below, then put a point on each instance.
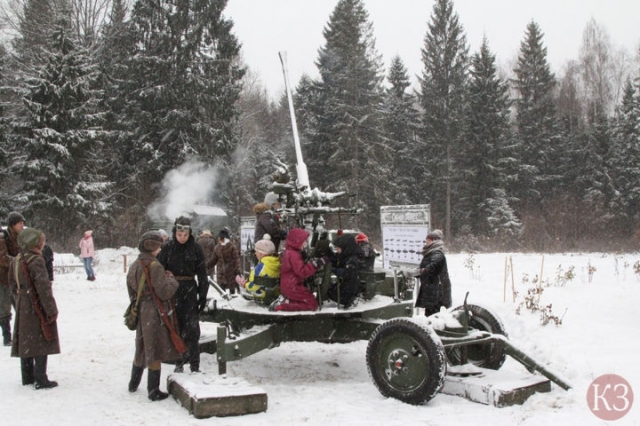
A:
(369, 283)
(271, 289)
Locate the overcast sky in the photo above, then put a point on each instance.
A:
(266, 27)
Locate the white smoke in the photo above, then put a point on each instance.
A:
(190, 184)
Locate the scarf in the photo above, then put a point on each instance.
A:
(434, 246)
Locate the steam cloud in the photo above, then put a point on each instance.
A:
(191, 183)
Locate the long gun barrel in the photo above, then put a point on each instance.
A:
(301, 167)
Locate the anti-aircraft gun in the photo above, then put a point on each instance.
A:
(302, 206)
(409, 358)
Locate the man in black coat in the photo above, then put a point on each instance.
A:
(435, 286)
(183, 257)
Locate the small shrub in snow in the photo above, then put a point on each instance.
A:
(531, 302)
(636, 269)
(469, 263)
(563, 277)
(590, 271)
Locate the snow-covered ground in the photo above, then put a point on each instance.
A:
(320, 384)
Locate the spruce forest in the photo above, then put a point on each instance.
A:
(100, 101)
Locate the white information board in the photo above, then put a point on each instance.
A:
(404, 229)
(247, 231)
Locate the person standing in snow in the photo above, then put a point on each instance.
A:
(35, 334)
(153, 341)
(183, 257)
(208, 244)
(435, 286)
(293, 272)
(268, 221)
(87, 253)
(8, 250)
(227, 260)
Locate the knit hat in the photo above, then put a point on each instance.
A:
(434, 235)
(88, 233)
(150, 241)
(361, 238)
(271, 198)
(266, 247)
(29, 238)
(15, 217)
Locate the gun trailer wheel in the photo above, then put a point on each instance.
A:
(484, 355)
(406, 361)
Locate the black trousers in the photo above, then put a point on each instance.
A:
(189, 321)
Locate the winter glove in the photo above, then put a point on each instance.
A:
(319, 262)
(240, 280)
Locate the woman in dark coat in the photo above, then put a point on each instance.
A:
(268, 221)
(227, 259)
(30, 342)
(435, 286)
(345, 266)
(153, 341)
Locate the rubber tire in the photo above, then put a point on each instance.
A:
(488, 355)
(423, 369)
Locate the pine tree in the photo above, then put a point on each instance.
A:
(626, 153)
(597, 189)
(402, 128)
(186, 82)
(5, 149)
(62, 138)
(485, 165)
(37, 18)
(348, 133)
(442, 96)
(538, 136)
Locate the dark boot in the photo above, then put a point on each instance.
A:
(153, 386)
(136, 378)
(26, 366)
(40, 374)
(6, 332)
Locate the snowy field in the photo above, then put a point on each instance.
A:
(595, 295)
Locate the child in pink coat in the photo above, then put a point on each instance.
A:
(87, 253)
(293, 271)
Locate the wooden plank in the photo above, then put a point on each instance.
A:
(208, 395)
(497, 388)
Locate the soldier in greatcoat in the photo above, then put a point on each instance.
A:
(35, 333)
(153, 341)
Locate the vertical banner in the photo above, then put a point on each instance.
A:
(404, 229)
(247, 231)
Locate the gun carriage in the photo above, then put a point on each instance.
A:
(407, 356)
